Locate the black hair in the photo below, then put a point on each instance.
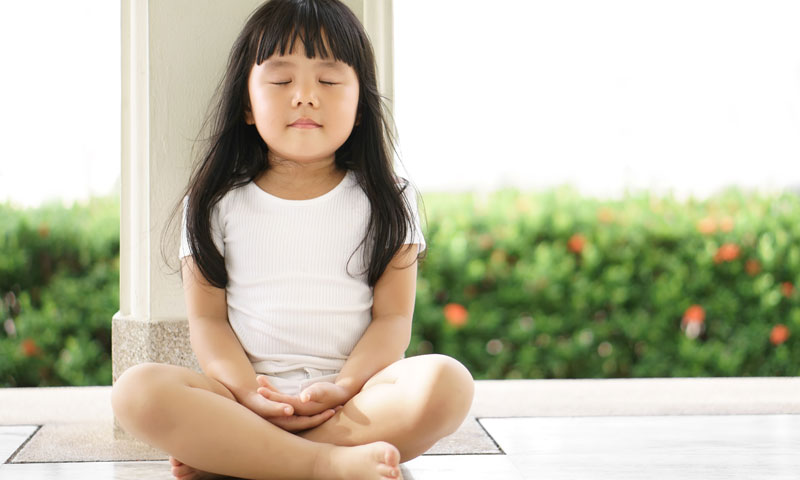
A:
(235, 154)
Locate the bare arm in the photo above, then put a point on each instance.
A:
(218, 351)
(388, 335)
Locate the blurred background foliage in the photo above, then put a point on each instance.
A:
(59, 281)
(515, 285)
(555, 285)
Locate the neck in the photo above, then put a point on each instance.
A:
(291, 172)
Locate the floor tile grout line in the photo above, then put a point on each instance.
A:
(647, 415)
(478, 419)
(60, 462)
(22, 445)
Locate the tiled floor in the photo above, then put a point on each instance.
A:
(656, 447)
(11, 438)
(601, 447)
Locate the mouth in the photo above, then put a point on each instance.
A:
(304, 123)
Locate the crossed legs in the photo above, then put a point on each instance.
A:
(403, 409)
(411, 404)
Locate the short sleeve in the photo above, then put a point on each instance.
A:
(216, 231)
(416, 235)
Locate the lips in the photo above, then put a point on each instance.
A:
(304, 122)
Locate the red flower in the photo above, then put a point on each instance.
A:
(576, 243)
(455, 314)
(694, 314)
(692, 323)
(752, 267)
(727, 253)
(29, 348)
(707, 226)
(786, 289)
(779, 334)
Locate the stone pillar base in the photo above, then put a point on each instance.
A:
(142, 340)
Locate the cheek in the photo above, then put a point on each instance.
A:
(263, 101)
(349, 103)
(270, 115)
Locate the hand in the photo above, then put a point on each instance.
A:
(314, 399)
(281, 414)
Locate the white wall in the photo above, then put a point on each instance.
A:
(688, 95)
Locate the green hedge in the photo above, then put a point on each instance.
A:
(515, 285)
(553, 285)
(59, 281)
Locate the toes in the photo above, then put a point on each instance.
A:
(390, 472)
(391, 456)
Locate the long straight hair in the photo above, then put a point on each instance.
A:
(235, 154)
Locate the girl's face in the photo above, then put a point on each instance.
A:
(288, 88)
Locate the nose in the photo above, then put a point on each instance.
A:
(305, 93)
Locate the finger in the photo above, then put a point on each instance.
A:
(264, 391)
(175, 461)
(310, 394)
(304, 422)
(305, 397)
(295, 422)
(279, 397)
(270, 408)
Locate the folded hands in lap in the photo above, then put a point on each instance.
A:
(312, 407)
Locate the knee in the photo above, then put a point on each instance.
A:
(451, 393)
(134, 394)
(451, 373)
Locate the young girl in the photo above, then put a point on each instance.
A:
(299, 256)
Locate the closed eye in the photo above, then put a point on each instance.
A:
(285, 83)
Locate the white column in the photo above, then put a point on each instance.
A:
(378, 20)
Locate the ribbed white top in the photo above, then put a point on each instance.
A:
(290, 299)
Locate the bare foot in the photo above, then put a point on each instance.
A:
(373, 461)
(181, 471)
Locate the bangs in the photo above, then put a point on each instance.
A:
(321, 27)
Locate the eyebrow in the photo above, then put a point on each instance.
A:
(286, 63)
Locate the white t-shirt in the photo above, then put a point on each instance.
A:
(290, 299)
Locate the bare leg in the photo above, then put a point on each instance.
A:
(411, 404)
(187, 415)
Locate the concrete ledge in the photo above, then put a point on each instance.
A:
(77, 422)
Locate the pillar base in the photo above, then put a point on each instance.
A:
(142, 340)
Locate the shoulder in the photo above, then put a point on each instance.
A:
(231, 201)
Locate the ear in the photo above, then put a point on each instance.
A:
(358, 119)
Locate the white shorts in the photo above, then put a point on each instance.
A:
(295, 381)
